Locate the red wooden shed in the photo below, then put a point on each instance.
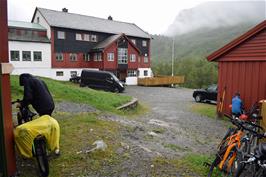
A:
(242, 67)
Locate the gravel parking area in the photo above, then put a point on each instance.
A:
(168, 131)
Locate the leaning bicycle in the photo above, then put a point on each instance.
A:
(34, 138)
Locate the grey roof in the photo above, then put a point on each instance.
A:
(28, 25)
(107, 41)
(89, 23)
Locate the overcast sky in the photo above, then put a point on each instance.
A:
(153, 16)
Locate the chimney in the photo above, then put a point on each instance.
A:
(64, 10)
(110, 17)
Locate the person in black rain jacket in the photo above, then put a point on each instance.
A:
(37, 94)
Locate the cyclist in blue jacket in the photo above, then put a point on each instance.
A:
(237, 105)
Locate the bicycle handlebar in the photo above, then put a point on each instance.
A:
(241, 125)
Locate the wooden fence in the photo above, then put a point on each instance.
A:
(161, 80)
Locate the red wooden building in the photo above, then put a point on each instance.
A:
(242, 67)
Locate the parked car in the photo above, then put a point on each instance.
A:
(208, 94)
(101, 80)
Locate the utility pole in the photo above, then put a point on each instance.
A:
(173, 55)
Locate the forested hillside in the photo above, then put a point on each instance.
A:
(192, 47)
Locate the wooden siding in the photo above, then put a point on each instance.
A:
(247, 77)
(110, 65)
(253, 49)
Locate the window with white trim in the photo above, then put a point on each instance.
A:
(26, 55)
(59, 56)
(133, 41)
(110, 56)
(131, 73)
(145, 72)
(78, 37)
(61, 35)
(144, 43)
(37, 56)
(14, 55)
(146, 60)
(86, 57)
(86, 37)
(59, 73)
(73, 73)
(132, 58)
(93, 38)
(73, 57)
(97, 57)
(122, 56)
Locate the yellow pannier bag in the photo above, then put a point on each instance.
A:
(25, 134)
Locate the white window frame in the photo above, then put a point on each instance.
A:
(78, 37)
(28, 58)
(37, 59)
(17, 57)
(59, 57)
(97, 56)
(110, 56)
(144, 43)
(61, 35)
(122, 56)
(59, 75)
(131, 73)
(93, 38)
(86, 37)
(146, 59)
(145, 72)
(133, 41)
(133, 57)
(73, 73)
(73, 57)
(86, 56)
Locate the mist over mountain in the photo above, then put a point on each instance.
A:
(198, 32)
(217, 14)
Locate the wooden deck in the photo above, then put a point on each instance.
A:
(161, 80)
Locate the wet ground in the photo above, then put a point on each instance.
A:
(170, 130)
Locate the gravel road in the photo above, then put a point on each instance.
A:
(169, 131)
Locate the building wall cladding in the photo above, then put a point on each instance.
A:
(243, 69)
(253, 49)
(247, 77)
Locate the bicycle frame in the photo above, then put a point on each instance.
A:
(233, 141)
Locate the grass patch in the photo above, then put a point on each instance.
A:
(175, 147)
(159, 130)
(67, 91)
(189, 165)
(204, 109)
(77, 134)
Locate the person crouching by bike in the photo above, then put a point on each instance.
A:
(37, 94)
(237, 105)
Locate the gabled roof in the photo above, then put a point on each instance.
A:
(89, 23)
(215, 55)
(26, 25)
(110, 40)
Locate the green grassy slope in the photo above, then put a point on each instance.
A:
(66, 91)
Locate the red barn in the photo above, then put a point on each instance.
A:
(242, 67)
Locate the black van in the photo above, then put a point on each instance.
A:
(101, 80)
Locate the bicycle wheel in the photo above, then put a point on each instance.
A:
(217, 160)
(41, 155)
